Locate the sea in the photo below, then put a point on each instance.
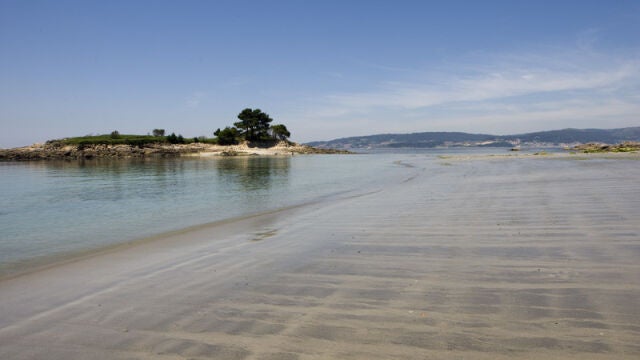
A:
(55, 209)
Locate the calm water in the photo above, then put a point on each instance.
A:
(57, 208)
(53, 209)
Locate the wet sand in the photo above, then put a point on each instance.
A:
(464, 259)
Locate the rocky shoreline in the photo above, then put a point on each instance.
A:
(57, 151)
(629, 146)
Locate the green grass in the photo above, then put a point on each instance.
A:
(108, 140)
(122, 139)
(613, 150)
(625, 149)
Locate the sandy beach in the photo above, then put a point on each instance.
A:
(518, 257)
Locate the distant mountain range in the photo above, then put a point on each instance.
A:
(451, 139)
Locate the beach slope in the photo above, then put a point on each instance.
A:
(525, 258)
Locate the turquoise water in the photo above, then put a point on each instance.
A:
(56, 208)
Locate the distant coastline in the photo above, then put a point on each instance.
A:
(565, 138)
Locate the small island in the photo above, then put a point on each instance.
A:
(252, 135)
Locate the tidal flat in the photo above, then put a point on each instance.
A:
(484, 258)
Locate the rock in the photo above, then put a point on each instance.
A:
(57, 151)
(597, 147)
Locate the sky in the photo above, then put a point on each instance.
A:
(327, 69)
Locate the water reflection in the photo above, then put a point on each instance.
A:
(254, 173)
(161, 178)
(117, 179)
(53, 207)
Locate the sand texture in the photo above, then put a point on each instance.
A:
(477, 259)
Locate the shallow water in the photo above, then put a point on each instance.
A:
(56, 208)
(482, 257)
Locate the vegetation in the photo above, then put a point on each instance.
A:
(228, 136)
(175, 139)
(109, 139)
(254, 126)
(279, 132)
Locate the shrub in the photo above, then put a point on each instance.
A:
(227, 136)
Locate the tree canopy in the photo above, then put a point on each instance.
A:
(227, 136)
(253, 124)
(279, 132)
(175, 139)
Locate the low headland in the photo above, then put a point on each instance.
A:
(140, 146)
(253, 134)
(69, 149)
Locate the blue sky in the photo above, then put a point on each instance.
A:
(326, 69)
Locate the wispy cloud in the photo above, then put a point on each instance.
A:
(516, 91)
(501, 83)
(194, 100)
(587, 39)
(499, 119)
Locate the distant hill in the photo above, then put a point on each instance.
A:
(441, 139)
